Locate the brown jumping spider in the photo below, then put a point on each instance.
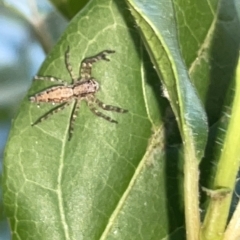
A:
(82, 88)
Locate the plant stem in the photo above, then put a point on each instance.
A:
(233, 229)
(191, 192)
(227, 169)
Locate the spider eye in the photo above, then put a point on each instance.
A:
(96, 85)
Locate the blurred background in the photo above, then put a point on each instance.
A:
(28, 31)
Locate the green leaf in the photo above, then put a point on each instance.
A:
(109, 181)
(125, 181)
(208, 37)
(69, 8)
(196, 26)
(158, 29)
(163, 49)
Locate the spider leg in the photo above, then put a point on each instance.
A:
(73, 118)
(109, 107)
(51, 112)
(50, 78)
(90, 102)
(69, 66)
(100, 114)
(86, 64)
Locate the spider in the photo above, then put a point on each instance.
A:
(82, 88)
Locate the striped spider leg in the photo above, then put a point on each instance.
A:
(86, 65)
(82, 88)
(92, 100)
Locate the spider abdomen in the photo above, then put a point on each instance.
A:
(56, 94)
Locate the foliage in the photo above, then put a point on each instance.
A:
(126, 181)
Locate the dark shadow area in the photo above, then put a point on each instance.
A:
(224, 56)
(174, 188)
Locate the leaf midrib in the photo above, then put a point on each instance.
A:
(59, 183)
